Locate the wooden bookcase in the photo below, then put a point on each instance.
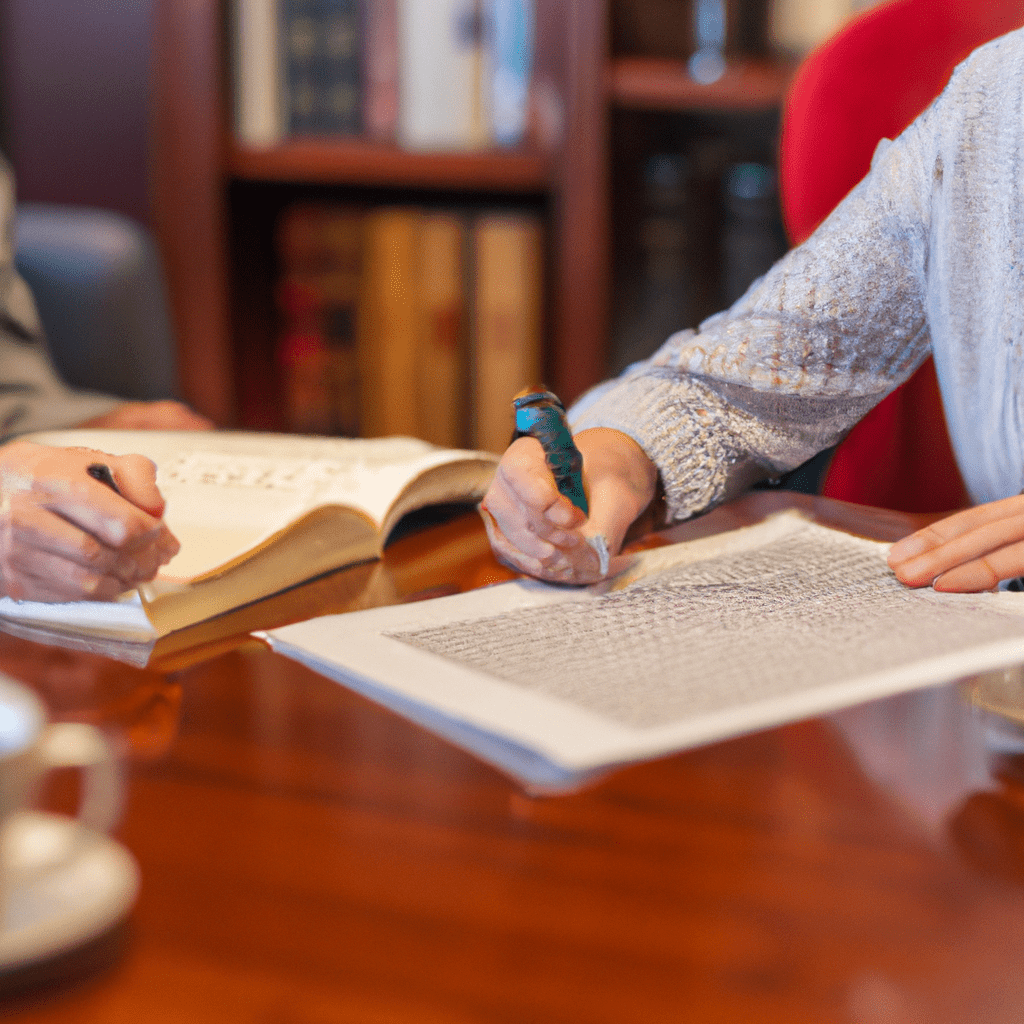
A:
(214, 201)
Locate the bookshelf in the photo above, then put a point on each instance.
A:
(352, 162)
(214, 201)
(660, 83)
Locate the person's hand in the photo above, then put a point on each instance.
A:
(969, 551)
(65, 536)
(162, 415)
(536, 530)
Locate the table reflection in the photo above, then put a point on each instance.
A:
(309, 856)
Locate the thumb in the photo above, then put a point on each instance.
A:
(135, 476)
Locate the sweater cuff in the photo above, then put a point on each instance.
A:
(684, 430)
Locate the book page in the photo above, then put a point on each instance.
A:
(227, 491)
(724, 635)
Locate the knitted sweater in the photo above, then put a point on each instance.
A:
(925, 254)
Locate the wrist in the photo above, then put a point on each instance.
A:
(607, 451)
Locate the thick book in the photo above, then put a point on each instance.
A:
(320, 252)
(508, 274)
(258, 73)
(323, 85)
(380, 69)
(509, 67)
(694, 643)
(440, 98)
(389, 321)
(442, 392)
(256, 514)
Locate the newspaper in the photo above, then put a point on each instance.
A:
(700, 641)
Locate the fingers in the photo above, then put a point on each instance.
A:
(67, 536)
(113, 519)
(45, 558)
(135, 476)
(161, 415)
(30, 531)
(578, 563)
(533, 517)
(970, 551)
(535, 529)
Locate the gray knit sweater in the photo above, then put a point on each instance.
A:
(925, 254)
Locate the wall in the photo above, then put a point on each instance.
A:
(74, 75)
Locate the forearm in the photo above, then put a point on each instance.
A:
(785, 373)
(33, 398)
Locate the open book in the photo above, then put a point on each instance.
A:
(697, 642)
(256, 514)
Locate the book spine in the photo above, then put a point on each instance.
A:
(508, 257)
(796, 26)
(341, 283)
(380, 70)
(442, 392)
(320, 249)
(388, 325)
(257, 73)
(440, 93)
(509, 28)
(324, 77)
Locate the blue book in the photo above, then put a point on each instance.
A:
(323, 75)
(510, 44)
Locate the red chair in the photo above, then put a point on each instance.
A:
(866, 83)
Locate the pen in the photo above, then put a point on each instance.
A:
(540, 414)
(101, 471)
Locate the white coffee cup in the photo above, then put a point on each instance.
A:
(30, 747)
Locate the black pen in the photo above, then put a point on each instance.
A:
(101, 471)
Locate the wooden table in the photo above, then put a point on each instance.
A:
(308, 858)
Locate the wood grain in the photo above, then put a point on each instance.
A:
(189, 206)
(309, 858)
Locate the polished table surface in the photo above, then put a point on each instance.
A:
(309, 858)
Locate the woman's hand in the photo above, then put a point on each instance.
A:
(162, 415)
(967, 552)
(536, 530)
(65, 536)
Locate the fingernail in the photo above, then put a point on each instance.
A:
(909, 547)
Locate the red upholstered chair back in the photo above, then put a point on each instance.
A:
(866, 83)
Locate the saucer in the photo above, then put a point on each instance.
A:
(55, 909)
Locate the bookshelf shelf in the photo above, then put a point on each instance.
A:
(654, 83)
(355, 162)
(214, 201)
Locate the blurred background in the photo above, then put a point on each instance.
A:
(246, 133)
(75, 88)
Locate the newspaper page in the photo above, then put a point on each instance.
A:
(701, 641)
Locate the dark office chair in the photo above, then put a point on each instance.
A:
(868, 82)
(99, 287)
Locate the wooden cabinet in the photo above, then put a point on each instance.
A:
(214, 202)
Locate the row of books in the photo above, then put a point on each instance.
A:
(408, 320)
(425, 74)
